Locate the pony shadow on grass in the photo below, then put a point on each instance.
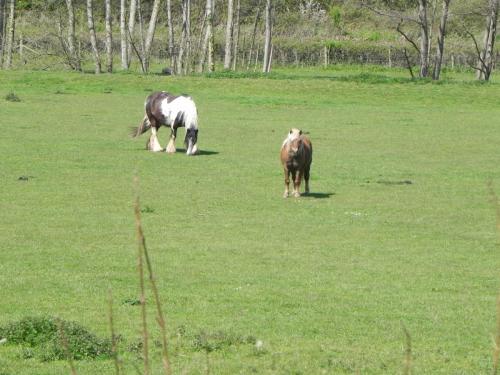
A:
(200, 152)
(317, 195)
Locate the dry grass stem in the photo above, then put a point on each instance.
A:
(140, 266)
(159, 313)
(65, 345)
(114, 352)
(496, 353)
(408, 355)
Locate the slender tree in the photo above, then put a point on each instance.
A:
(236, 33)
(131, 28)
(171, 45)
(93, 38)
(229, 35)
(207, 35)
(211, 49)
(123, 35)
(486, 59)
(73, 56)
(2, 28)
(109, 37)
(442, 34)
(184, 44)
(150, 35)
(424, 38)
(11, 24)
(266, 67)
(252, 45)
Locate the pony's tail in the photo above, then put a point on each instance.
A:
(142, 128)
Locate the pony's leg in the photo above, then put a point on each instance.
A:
(154, 144)
(306, 179)
(296, 183)
(287, 183)
(171, 143)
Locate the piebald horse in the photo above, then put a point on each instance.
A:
(296, 158)
(164, 109)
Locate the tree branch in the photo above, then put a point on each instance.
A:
(408, 39)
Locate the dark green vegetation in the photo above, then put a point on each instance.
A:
(399, 227)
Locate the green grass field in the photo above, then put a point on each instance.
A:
(400, 228)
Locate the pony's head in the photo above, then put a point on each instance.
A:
(294, 141)
(191, 140)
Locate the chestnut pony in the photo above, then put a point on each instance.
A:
(296, 158)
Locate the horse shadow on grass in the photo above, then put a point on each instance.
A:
(200, 152)
(317, 195)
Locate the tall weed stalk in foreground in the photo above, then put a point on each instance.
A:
(144, 255)
(496, 343)
(408, 355)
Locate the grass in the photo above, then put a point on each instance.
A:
(323, 284)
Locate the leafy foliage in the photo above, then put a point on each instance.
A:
(44, 334)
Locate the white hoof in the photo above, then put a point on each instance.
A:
(170, 148)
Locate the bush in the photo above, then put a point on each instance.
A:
(44, 334)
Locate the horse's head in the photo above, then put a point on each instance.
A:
(191, 140)
(294, 141)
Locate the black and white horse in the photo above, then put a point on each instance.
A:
(173, 111)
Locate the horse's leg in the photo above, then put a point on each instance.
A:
(306, 178)
(287, 183)
(154, 144)
(171, 144)
(296, 183)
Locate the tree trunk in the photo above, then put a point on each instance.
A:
(171, 45)
(207, 28)
(151, 33)
(236, 32)
(93, 38)
(11, 24)
(442, 34)
(123, 35)
(109, 38)
(252, 46)
(184, 37)
(486, 57)
(211, 38)
(424, 38)
(131, 28)
(229, 35)
(74, 59)
(266, 66)
(2, 28)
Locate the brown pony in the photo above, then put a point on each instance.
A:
(296, 158)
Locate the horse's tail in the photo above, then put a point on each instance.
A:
(142, 128)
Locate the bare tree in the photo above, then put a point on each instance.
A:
(266, 67)
(485, 57)
(109, 37)
(185, 35)
(229, 35)
(236, 32)
(441, 37)
(93, 38)
(210, 27)
(424, 38)
(421, 21)
(150, 35)
(131, 28)
(11, 24)
(73, 56)
(252, 45)
(207, 32)
(171, 45)
(123, 35)
(2, 28)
